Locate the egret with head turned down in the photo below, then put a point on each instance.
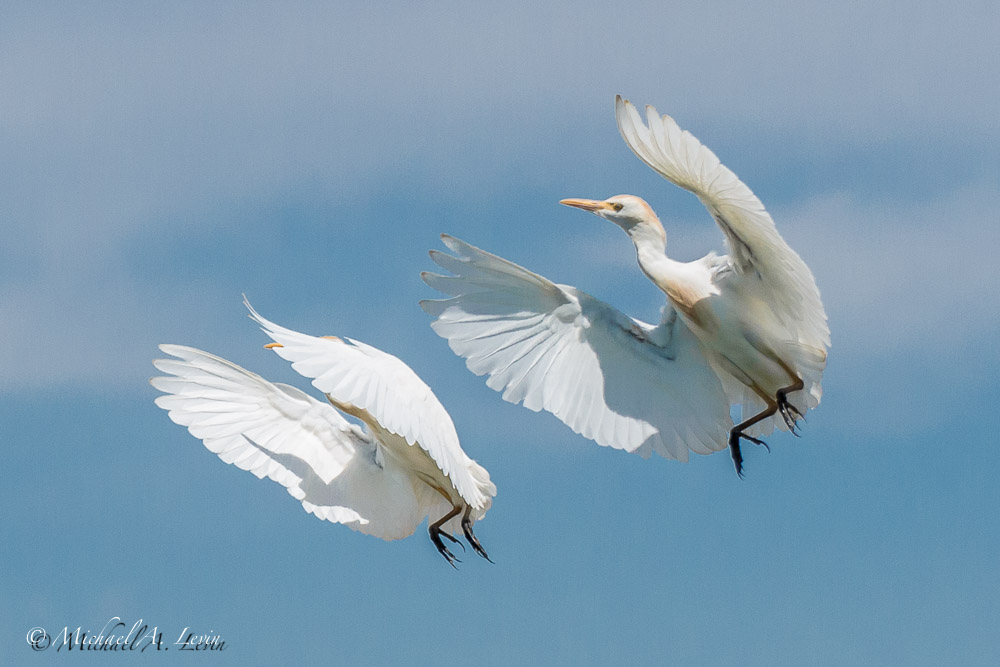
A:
(401, 465)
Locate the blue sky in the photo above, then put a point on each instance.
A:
(162, 160)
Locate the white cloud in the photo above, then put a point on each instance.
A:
(901, 276)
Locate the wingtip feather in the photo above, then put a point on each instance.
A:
(453, 244)
(174, 350)
(427, 306)
(432, 280)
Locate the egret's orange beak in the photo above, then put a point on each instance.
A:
(587, 204)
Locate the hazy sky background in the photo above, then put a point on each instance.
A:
(160, 160)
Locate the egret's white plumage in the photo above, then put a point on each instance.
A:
(383, 478)
(747, 328)
(615, 380)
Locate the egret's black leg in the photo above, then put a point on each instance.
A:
(470, 536)
(434, 530)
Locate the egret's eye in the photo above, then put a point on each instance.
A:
(617, 206)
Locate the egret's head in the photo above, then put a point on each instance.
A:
(627, 211)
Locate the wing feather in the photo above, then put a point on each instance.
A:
(279, 432)
(380, 384)
(552, 347)
(755, 246)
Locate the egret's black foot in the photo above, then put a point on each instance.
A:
(471, 537)
(734, 448)
(734, 451)
(436, 534)
(789, 413)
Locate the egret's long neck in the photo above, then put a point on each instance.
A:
(650, 249)
(673, 277)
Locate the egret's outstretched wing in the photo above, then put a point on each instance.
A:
(556, 348)
(276, 431)
(755, 247)
(388, 390)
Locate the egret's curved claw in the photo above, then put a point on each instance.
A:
(756, 441)
(444, 550)
(435, 532)
(791, 420)
(734, 451)
(734, 448)
(790, 414)
(471, 537)
(454, 539)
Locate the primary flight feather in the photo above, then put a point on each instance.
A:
(747, 328)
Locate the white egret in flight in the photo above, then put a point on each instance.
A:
(746, 328)
(405, 464)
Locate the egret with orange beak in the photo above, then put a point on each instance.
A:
(744, 329)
